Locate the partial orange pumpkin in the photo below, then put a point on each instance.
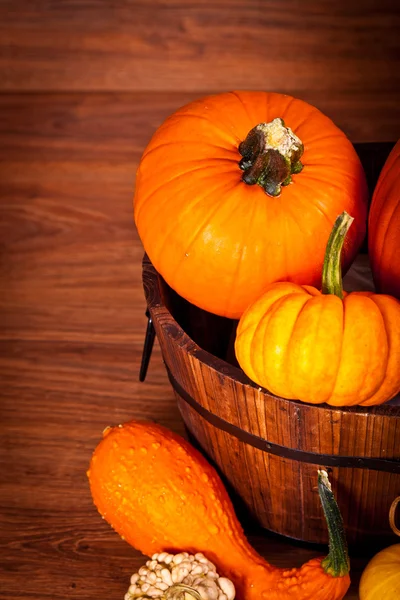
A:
(239, 190)
(381, 577)
(384, 227)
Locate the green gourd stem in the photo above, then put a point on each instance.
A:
(332, 269)
(337, 562)
(178, 591)
(271, 155)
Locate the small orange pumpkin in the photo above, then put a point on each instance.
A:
(342, 349)
(238, 190)
(384, 227)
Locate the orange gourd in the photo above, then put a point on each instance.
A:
(342, 349)
(384, 227)
(160, 494)
(230, 198)
(381, 577)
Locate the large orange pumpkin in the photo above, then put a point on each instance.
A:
(384, 227)
(333, 347)
(241, 189)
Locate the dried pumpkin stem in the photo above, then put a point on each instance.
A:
(337, 562)
(271, 155)
(332, 270)
(180, 591)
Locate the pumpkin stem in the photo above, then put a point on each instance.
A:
(180, 591)
(337, 562)
(271, 154)
(332, 269)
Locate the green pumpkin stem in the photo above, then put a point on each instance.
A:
(332, 270)
(337, 562)
(271, 155)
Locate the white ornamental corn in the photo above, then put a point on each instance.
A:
(180, 577)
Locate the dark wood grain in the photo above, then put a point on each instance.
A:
(71, 331)
(339, 47)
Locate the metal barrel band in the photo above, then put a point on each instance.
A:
(390, 465)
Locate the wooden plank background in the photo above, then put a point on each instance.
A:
(84, 83)
(341, 55)
(338, 47)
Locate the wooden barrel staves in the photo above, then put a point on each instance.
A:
(269, 448)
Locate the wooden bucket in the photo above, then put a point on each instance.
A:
(268, 449)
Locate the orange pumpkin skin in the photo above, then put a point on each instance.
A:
(160, 494)
(384, 227)
(219, 242)
(301, 344)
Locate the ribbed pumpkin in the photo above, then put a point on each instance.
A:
(238, 190)
(384, 227)
(342, 349)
